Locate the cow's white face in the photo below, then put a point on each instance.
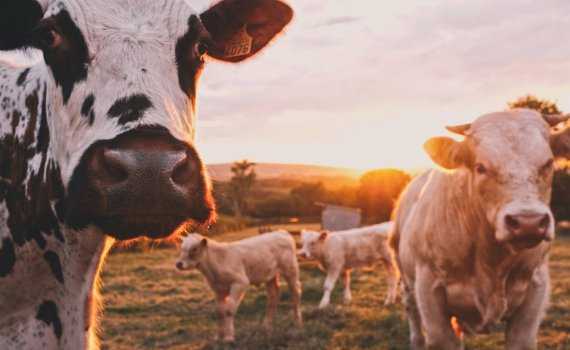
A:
(312, 244)
(122, 90)
(123, 73)
(191, 251)
(510, 161)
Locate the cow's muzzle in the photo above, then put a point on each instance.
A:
(527, 229)
(143, 183)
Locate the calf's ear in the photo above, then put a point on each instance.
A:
(241, 28)
(323, 235)
(18, 18)
(204, 242)
(446, 152)
(560, 143)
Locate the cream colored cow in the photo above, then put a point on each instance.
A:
(341, 251)
(230, 268)
(472, 240)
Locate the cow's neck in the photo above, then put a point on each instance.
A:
(66, 262)
(213, 262)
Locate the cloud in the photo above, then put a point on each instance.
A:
(338, 20)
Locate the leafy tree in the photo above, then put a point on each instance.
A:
(378, 191)
(240, 185)
(346, 196)
(275, 206)
(304, 197)
(533, 102)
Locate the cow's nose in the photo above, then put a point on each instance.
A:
(528, 225)
(179, 265)
(144, 182)
(116, 167)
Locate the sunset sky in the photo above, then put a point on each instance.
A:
(364, 83)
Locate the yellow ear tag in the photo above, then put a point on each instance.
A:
(239, 45)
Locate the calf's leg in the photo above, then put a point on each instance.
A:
(272, 288)
(393, 280)
(292, 278)
(347, 294)
(228, 309)
(522, 327)
(330, 281)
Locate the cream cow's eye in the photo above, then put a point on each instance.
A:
(480, 169)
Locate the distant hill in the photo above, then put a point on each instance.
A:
(222, 172)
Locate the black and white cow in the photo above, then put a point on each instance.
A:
(97, 141)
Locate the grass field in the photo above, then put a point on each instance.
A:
(150, 305)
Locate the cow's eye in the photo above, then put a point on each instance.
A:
(47, 37)
(547, 166)
(480, 169)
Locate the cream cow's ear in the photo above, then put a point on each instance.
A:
(447, 153)
(323, 235)
(204, 242)
(555, 119)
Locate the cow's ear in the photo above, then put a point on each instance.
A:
(323, 235)
(241, 28)
(204, 242)
(560, 143)
(18, 18)
(446, 152)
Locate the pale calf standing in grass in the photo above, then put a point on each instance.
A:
(339, 252)
(230, 268)
(472, 242)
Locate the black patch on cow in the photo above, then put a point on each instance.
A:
(29, 205)
(22, 77)
(7, 257)
(130, 109)
(48, 313)
(55, 265)
(68, 61)
(17, 19)
(87, 109)
(188, 64)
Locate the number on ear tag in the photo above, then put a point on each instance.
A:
(239, 45)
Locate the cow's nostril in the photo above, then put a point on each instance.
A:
(183, 171)
(512, 222)
(179, 265)
(544, 222)
(109, 167)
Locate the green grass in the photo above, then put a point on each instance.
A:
(150, 305)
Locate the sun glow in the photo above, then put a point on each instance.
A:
(368, 144)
